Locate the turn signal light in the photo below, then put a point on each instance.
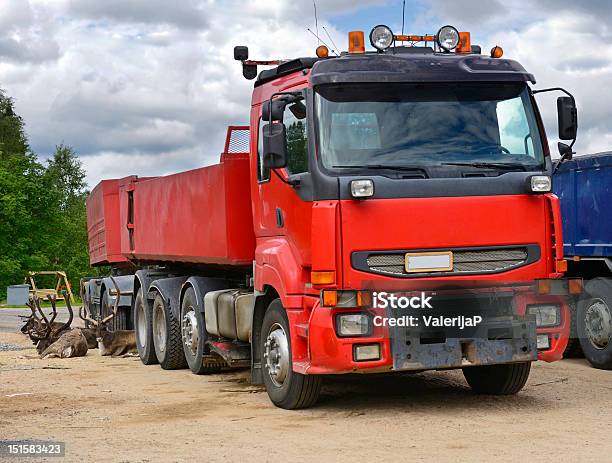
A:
(356, 42)
(575, 286)
(322, 278)
(347, 298)
(543, 286)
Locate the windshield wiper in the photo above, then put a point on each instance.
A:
(491, 165)
(380, 167)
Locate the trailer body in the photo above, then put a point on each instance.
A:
(584, 187)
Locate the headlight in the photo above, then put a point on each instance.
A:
(448, 38)
(354, 324)
(381, 38)
(540, 183)
(362, 188)
(546, 315)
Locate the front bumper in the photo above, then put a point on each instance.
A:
(402, 349)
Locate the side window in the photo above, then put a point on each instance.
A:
(263, 174)
(514, 131)
(297, 138)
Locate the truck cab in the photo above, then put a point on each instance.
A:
(362, 160)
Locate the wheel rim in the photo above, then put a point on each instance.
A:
(142, 325)
(276, 355)
(159, 327)
(598, 323)
(191, 335)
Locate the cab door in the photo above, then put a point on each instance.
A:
(278, 209)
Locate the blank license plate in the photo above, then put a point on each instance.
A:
(429, 262)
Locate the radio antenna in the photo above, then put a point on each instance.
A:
(332, 41)
(403, 15)
(314, 3)
(318, 38)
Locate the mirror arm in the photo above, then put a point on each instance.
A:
(558, 89)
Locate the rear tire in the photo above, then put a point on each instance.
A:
(167, 336)
(506, 379)
(143, 325)
(119, 321)
(595, 323)
(286, 388)
(194, 335)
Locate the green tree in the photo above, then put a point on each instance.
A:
(43, 223)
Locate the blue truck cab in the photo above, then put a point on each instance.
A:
(584, 187)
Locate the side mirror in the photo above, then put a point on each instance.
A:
(274, 145)
(277, 108)
(565, 151)
(241, 53)
(568, 118)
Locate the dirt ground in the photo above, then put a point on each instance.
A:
(116, 409)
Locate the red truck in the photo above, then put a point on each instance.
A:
(404, 169)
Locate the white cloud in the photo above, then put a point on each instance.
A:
(149, 86)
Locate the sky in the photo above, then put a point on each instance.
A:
(148, 87)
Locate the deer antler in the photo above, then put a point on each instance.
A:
(84, 313)
(53, 302)
(39, 329)
(70, 311)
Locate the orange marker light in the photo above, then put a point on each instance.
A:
(543, 286)
(575, 286)
(330, 298)
(356, 42)
(497, 52)
(561, 266)
(465, 44)
(322, 278)
(322, 51)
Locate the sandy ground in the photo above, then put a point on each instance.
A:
(116, 409)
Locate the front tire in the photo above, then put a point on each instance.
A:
(167, 336)
(143, 325)
(506, 379)
(286, 388)
(594, 323)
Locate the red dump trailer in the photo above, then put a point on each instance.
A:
(383, 211)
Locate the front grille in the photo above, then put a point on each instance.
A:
(464, 261)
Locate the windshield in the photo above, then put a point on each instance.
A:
(404, 125)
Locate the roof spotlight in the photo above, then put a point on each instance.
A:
(448, 38)
(381, 37)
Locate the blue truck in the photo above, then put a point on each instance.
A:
(584, 187)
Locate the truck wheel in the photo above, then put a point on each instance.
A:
(286, 388)
(504, 379)
(167, 336)
(119, 322)
(193, 330)
(573, 349)
(595, 323)
(144, 330)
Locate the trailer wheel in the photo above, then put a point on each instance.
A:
(119, 322)
(167, 336)
(193, 330)
(286, 388)
(144, 330)
(595, 323)
(504, 379)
